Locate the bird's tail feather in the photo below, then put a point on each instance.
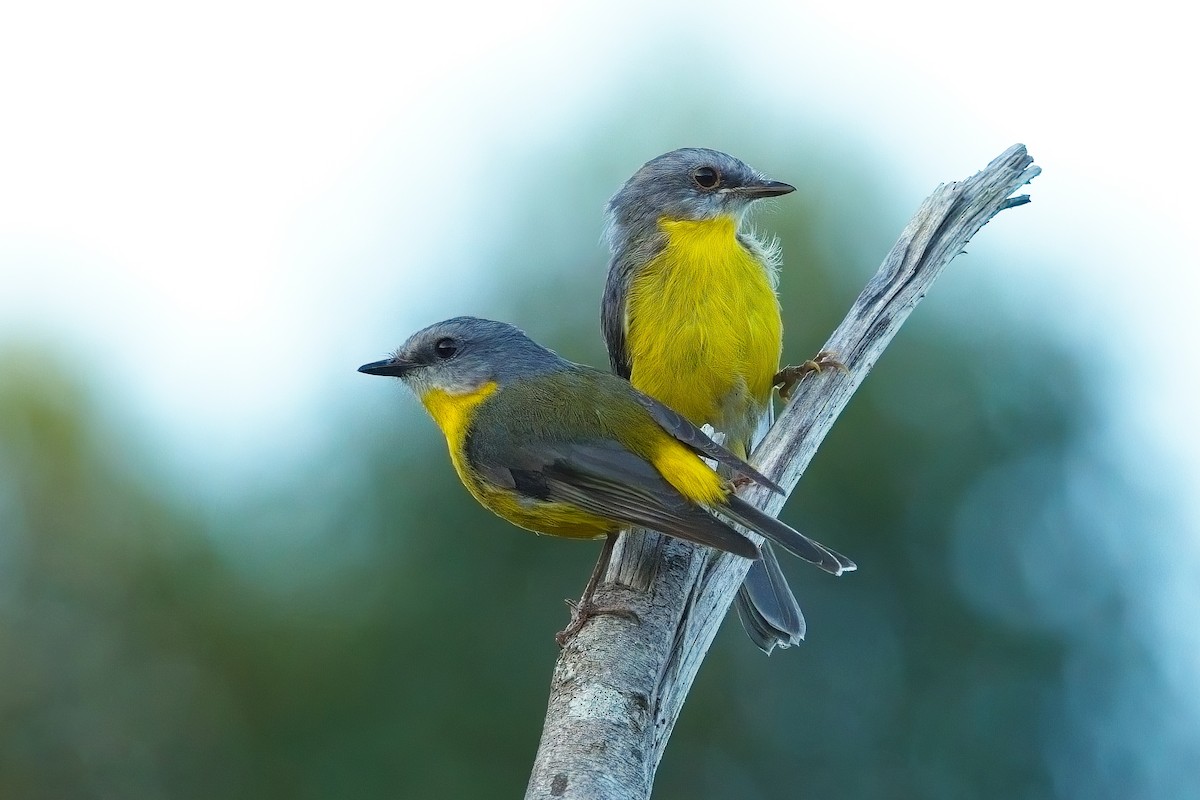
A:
(766, 606)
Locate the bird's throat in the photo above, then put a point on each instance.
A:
(453, 413)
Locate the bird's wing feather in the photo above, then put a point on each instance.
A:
(612, 321)
(695, 439)
(789, 539)
(605, 479)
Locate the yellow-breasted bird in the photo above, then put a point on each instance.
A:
(568, 450)
(691, 318)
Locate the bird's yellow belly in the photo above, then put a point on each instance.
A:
(554, 519)
(704, 329)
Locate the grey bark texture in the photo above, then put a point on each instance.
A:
(619, 684)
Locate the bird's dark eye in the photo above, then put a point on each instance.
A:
(706, 177)
(445, 348)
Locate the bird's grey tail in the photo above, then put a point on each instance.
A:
(765, 603)
(766, 606)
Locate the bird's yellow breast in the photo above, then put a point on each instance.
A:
(453, 413)
(703, 326)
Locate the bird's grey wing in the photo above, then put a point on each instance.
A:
(786, 537)
(612, 318)
(604, 478)
(678, 426)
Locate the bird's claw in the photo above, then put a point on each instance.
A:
(584, 610)
(787, 378)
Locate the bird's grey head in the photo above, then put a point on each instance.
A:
(692, 183)
(462, 355)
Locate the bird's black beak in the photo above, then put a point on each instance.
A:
(760, 189)
(393, 367)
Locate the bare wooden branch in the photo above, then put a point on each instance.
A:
(619, 685)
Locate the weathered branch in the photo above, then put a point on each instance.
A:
(619, 685)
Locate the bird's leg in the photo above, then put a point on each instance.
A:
(739, 482)
(787, 378)
(586, 608)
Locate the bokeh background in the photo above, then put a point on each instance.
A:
(231, 567)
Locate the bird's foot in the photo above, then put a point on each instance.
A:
(787, 378)
(584, 610)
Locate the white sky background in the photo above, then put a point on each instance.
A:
(187, 200)
(192, 201)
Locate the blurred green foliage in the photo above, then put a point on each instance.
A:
(360, 628)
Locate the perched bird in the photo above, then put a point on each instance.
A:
(568, 450)
(690, 317)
